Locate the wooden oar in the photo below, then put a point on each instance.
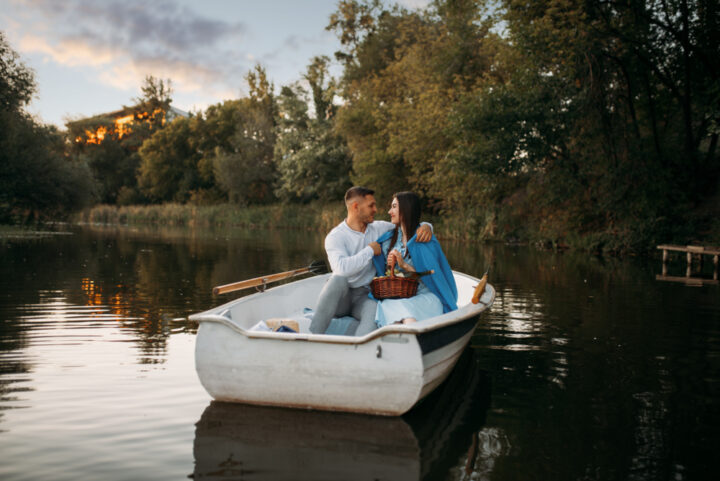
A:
(480, 288)
(317, 267)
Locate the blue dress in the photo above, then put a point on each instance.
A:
(422, 305)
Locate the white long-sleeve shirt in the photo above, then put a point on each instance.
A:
(349, 253)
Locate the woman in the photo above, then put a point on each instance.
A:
(437, 292)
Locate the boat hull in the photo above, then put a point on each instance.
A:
(334, 377)
(385, 372)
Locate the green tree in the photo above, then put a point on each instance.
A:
(244, 167)
(150, 109)
(36, 179)
(624, 141)
(369, 35)
(169, 164)
(17, 83)
(591, 121)
(354, 22)
(404, 77)
(313, 162)
(215, 127)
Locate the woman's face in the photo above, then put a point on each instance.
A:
(394, 212)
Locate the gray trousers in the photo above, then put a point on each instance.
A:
(338, 299)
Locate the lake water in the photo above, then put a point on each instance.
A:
(585, 368)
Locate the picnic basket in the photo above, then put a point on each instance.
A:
(393, 287)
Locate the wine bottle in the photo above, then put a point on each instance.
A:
(417, 275)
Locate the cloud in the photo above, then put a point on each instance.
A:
(414, 4)
(279, 58)
(133, 24)
(123, 41)
(68, 51)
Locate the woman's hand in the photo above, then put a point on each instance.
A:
(394, 257)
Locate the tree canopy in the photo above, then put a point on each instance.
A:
(313, 161)
(35, 177)
(593, 120)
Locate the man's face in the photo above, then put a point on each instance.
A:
(367, 209)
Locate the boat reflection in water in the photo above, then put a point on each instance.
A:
(236, 441)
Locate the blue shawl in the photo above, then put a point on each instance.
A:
(426, 256)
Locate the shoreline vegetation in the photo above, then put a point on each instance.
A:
(492, 225)
(317, 216)
(313, 216)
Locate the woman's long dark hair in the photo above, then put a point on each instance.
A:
(410, 210)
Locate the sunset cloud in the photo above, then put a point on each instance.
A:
(68, 51)
(125, 41)
(93, 55)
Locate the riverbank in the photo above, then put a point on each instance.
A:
(471, 226)
(9, 233)
(313, 216)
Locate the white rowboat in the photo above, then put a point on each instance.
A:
(384, 372)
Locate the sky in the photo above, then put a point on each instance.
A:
(91, 56)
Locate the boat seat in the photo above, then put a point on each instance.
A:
(339, 326)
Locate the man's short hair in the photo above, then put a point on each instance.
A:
(357, 191)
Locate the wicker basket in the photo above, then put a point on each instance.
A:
(392, 287)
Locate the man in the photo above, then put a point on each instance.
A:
(350, 247)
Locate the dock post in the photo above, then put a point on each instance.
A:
(692, 251)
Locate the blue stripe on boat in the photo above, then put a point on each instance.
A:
(430, 341)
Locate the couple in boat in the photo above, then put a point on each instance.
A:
(358, 250)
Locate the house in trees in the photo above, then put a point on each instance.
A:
(120, 123)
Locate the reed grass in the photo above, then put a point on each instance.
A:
(474, 224)
(314, 216)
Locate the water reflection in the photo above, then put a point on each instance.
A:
(148, 279)
(449, 424)
(237, 442)
(598, 370)
(234, 441)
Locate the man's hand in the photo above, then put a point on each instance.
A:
(377, 250)
(424, 233)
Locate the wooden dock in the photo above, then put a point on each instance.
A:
(693, 253)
